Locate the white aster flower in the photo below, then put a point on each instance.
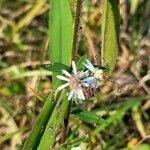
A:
(96, 76)
(75, 83)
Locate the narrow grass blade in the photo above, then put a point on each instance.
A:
(110, 30)
(89, 117)
(54, 123)
(60, 33)
(40, 124)
(31, 73)
(56, 67)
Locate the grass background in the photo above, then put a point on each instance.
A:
(123, 111)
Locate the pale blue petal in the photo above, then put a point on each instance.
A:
(88, 79)
(84, 84)
(90, 65)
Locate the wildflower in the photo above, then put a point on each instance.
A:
(96, 75)
(75, 83)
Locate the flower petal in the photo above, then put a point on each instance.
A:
(66, 73)
(83, 74)
(95, 84)
(90, 65)
(75, 95)
(86, 65)
(84, 84)
(62, 78)
(74, 69)
(62, 87)
(80, 92)
(89, 79)
(71, 94)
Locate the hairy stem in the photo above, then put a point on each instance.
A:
(77, 29)
(74, 57)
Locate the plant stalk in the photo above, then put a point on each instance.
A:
(77, 29)
(74, 57)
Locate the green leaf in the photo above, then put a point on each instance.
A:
(56, 67)
(40, 124)
(54, 123)
(61, 34)
(31, 73)
(80, 61)
(90, 117)
(110, 32)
